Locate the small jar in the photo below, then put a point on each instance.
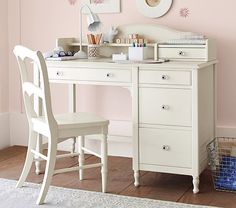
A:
(134, 36)
(93, 51)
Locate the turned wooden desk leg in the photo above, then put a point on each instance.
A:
(196, 184)
(135, 120)
(38, 149)
(136, 178)
(81, 157)
(72, 109)
(104, 169)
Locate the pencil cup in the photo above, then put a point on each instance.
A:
(93, 51)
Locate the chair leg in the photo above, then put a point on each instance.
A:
(40, 150)
(73, 145)
(29, 158)
(104, 162)
(52, 151)
(81, 157)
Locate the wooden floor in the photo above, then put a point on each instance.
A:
(168, 187)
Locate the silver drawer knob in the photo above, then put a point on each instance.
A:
(109, 74)
(59, 73)
(181, 53)
(166, 147)
(164, 77)
(164, 107)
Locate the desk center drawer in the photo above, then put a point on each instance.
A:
(84, 74)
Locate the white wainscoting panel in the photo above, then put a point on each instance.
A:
(119, 138)
(226, 131)
(4, 130)
(18, 129)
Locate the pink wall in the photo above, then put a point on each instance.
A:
(3, 56)
(43, 21)
(14, 36)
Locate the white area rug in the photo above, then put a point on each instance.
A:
(25, 197)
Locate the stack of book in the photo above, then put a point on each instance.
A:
(188, 39)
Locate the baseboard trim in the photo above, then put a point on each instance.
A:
(226, 131)
(18, 129)
(4, 130)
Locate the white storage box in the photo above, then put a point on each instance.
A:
(137, 53)
(119, 57)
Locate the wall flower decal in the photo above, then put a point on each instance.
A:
(97, 1)
(72, 2)
(184, 12)
(103, 6)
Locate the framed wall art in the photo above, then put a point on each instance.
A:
(103, 6)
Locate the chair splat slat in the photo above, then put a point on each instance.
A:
(31, 89)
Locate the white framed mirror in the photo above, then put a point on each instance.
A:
(153, 8)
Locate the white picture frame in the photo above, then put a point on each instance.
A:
(107, 6)
(153, 11)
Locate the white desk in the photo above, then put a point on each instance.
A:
(173, 112)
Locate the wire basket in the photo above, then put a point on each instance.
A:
(222, 161)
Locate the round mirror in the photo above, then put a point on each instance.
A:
(153, 3)
(153, 8)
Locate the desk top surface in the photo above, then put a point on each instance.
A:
(108, 63)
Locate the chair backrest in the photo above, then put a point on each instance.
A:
(29, 88)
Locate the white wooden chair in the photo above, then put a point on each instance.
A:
(56, 129)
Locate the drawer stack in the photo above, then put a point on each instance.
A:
(165, 119)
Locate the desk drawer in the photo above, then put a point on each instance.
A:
(165, 106)
(84, 74)
(165, 147)
(165, 77)
(182, 53)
